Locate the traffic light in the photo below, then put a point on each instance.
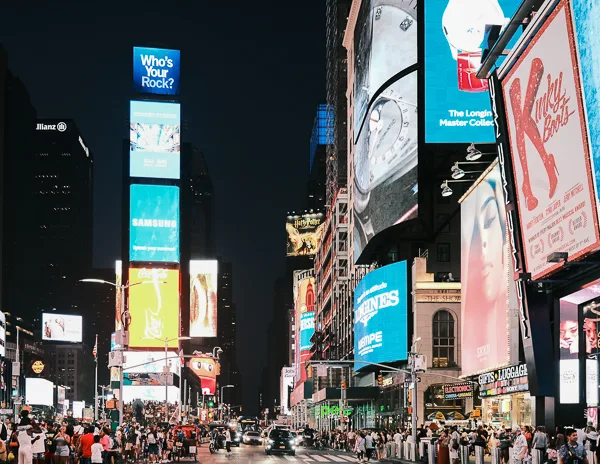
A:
(211, 401)
(380, 380)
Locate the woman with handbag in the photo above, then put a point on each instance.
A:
(13, 445)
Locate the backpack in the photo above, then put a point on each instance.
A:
(571, 458)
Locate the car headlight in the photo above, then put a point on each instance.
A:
(270, 441)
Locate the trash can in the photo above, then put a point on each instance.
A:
(463, 452)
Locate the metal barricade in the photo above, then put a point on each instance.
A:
(464, 454)
(496, 456)
(423, 442)
(389, 449)
(406, 453)
(431, 449)
(479, 454)
(511, 454)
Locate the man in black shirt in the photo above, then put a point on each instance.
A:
(50, 444)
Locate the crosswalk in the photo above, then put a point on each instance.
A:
(300, 457)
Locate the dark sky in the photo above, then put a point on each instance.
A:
(252, 75)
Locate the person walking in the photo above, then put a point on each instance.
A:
(572, 452)
(25, 434)
(520, 447)
(228, 441)
(361, 447)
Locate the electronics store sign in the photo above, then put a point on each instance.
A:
(504, 381)
(458, 391)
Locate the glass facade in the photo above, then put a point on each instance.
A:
(322, 130)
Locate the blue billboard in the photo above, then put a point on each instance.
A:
(380, 316)
(156, 71)
(457, 104)
(586, 18)
(154, 139)
(154, 223)
(307, 329)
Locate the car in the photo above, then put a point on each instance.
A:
(297, 438)
(280, 441)
(252, 438)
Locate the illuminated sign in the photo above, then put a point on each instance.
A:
(37, 367)
(304, 233)
(39, 392)
(503, 381)
(154, 307)
(304, 298)
(61, 328)
(60, 127)
(156, 70)
(332, 411)
(458, 390)
(154, 226)
(380, 316)
(203, 298)
(207, 369)
(155, 139)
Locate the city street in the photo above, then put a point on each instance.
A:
(256, 454)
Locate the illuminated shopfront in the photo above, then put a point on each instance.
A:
(505, 396)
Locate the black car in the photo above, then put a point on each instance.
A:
(280, 441)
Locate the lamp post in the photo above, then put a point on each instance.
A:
(221, 400)
(166, 370)
(125, 320)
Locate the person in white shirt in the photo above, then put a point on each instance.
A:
(228, 441)
(25, 444)
(398, 441)
(39, 446)
(520, 447)
(97, 449)
(369, 446)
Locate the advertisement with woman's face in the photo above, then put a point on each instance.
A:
(485, 277)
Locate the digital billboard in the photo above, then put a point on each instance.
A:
(156, 71)
(154, 139)
(207, 369)
(380, 316)
(586, 18)
(137, 379)
(154, 225)
(457, 104)
(61, 328)
(385, 44)
(39, 392)
(150, 393)
(150, 362)
(303, 233)
(385, 163)
(118, 293)
(78, 407)
(154, 307)
(304, 306)
(487, 288)
(203, 298)
(546, 121)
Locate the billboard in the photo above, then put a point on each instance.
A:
(150, 362)
(156, 71)
(207, 369)
(303, 233)
(2, 335)
(586, 19)
(203, 298)
(487, 287)
(456, 102)
(286, 383)
(385, 44)
(149, 393)
(144, 379)
(154, 224)
(154, 139)
(154, 307)
(380, 316)
(39, 392)
(61, 328)
(385, 163)
(546, 121)
(304, 306)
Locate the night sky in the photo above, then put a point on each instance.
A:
(252, 75)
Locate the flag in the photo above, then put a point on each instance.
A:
(95, 351)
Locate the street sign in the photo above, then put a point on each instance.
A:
(16, 369)
(6, 411)
(115, 359)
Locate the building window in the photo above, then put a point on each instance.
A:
(443, 252)
(443, 339)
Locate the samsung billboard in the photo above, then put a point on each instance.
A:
(380, 316)
(156, 71)
(154, 139)
(154, 223)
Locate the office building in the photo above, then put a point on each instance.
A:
(70, 367)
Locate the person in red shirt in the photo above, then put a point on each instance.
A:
(85, 446)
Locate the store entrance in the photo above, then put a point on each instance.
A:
(507, 410)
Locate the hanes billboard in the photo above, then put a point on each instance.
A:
(154, 139)
(203, 298)
(487, 290)
(380, 316)
(154, 226)
(456, 101)
(154, 307)
(156, 71)
(304, 304)
(303, 233)
(551, 160)
(61, 327)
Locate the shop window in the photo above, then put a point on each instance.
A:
(443, 339)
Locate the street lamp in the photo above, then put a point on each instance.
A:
(125, 319)
(221, 399)
(166, 369)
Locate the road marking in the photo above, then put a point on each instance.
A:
(338, 458)
(319, 458)
(289, 458)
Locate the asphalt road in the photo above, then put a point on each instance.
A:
(256, 454)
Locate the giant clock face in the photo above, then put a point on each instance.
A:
(464, 23)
